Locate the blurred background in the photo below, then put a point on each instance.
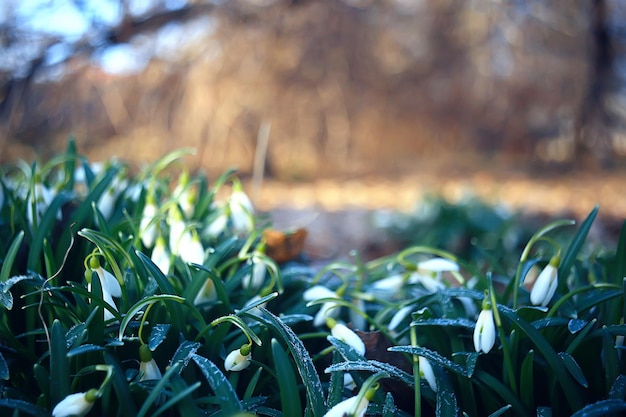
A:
(328, 104)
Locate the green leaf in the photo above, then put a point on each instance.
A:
(141, 305)
(25, 407)
(434, 357)
(575, 245)
(80, 350)
(9, 258)
(186, 404)
(573, 368)
(495, 384)
(224, 391)
(44, 229)
(572, 391)
(164, 284)
(501, 411)
(620, 257)
(125, 403)
(157, 335)
(4, 368)
(287, 384)
(602, 408)
(179, 396)
(389, 408)
(618, 390)
(527, 382)
(304, 363)
(59, 366)
(158, 389)
(185, 352)
(372, 366)
(446, 399)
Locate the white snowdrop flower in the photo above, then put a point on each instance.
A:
(109, 284)
(429, 272)
(256, 277)
(190, 248)
(343, 333)
(38, 202)
(357, 320)
(399, 317)
(148, 368)
(241, 210)
(485, 331)
(207, 293)
(348, 381)
(238, 359)
(177, 228)
(185, 194)
(426, 372)
(147, 226)
(217, 226)
(352, 407)
(328, 309)
(391, 284)
(106, 202)
(160, 256)
(78, 404)
(546, 283)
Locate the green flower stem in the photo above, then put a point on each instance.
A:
(526, 253)
(416, 375)
(576, 291)
(237, 321)
(508, 364)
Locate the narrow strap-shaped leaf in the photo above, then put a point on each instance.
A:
(574, 247)
(59, 366)
(573, 368)
(527, 386)
(4, 368)
(446, 398)
(9, 258)
(287, 384)
(433, 356)
(182, 395)
(185, 352)
(602, 408)
(44, 229)
(164, 284)
(501, 411)
(125, 401)
(23, 406)
(304, 363)
(157, 335)
(571, 390)
(157, 390)
(226, 395)
(142, 304)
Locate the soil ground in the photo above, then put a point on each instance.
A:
(340, 214)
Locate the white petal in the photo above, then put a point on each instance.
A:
(109, 282)
(429, 283)
(349, 407)
(190, 249)
(426, 371)
(484, 332)
(72, 405)
(149, 370)
(318, 292)
(399, 316)
(438, 265)
(544, 287)
(343, 333)
(392, 283)
(160, 257)
(235, 361)
(328, 309)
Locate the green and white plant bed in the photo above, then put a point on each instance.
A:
(152, 294)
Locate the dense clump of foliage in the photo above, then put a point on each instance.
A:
(153, 294)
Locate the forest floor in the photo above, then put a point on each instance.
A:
(341, 214)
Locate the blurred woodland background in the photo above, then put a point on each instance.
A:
(337, 87)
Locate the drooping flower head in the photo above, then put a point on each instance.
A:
(485, 329)
(545, 285)
(109, 284)
(77, 404)
(238, 359)
(328, 309)
(353, 406)
(148, 368)
(346, 335)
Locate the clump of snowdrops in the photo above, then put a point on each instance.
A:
(152, 294)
